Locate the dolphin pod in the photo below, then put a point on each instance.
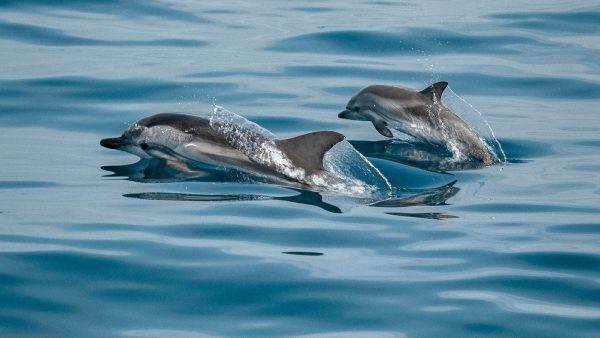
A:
(441, 137)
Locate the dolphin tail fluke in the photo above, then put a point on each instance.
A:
(435, 91)
(307, 151)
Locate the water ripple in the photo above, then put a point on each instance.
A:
(127, 9)
(524, 305)
(90, 247)
(413, 41)
(40, 35)
(570, 22)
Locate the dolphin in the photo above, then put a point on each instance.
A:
(420, 115)
(180, 139)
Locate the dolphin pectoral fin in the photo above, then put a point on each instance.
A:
(382, 128)
(307, 151)
(435, 91)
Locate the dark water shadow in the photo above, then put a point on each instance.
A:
(160, 171)
(303, 253)
(427, 215)
(521, 151)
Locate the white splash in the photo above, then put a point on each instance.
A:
(361, 174)
(463, 107)
(253, 141)
(346, 171)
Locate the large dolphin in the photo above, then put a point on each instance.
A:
(181, 138)
(420, 115)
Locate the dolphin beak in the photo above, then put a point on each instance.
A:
(343, 114)
(114, 142)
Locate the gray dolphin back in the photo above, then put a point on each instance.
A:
(307, 151)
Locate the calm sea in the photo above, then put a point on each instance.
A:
(94, 243)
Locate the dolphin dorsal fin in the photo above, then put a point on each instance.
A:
(434, 92)
(307, 151)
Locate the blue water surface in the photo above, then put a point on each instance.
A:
(94, 243)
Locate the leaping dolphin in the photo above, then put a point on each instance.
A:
(420, 115)
(182, 138)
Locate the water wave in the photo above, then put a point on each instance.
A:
(220, 253)
(411, 41)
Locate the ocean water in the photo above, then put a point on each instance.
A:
(94, 243)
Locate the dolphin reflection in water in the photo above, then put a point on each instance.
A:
(159, 171)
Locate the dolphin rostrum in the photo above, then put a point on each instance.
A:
(420, 115)
(180, 138)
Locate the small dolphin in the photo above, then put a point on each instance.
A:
(420, 115)
(180, 138)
